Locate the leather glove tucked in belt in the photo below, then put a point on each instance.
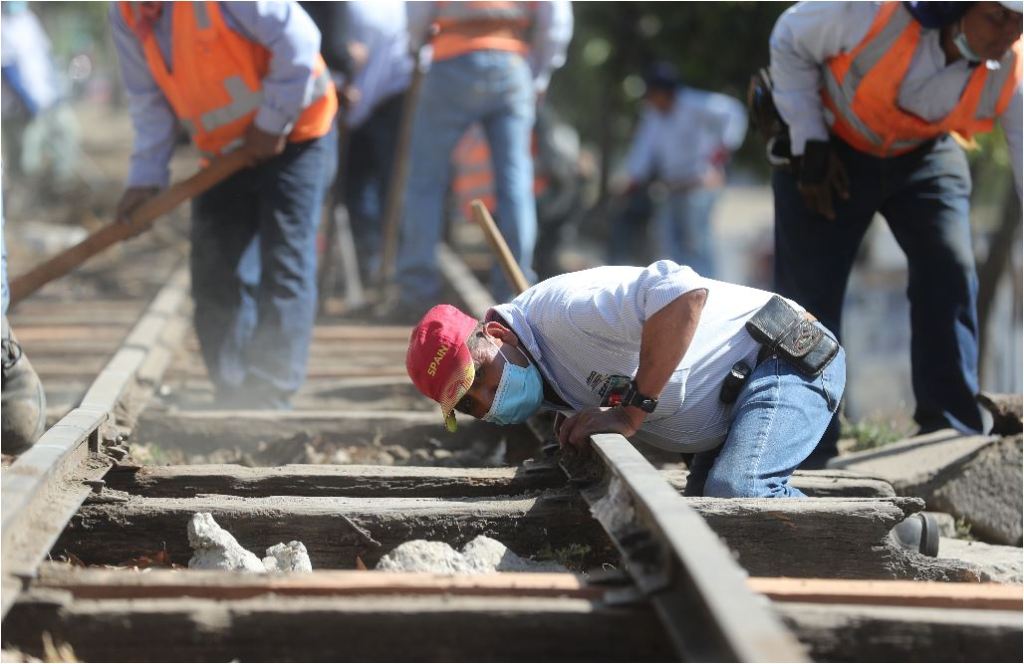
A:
(821, 177)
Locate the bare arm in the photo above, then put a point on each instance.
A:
(664, 341)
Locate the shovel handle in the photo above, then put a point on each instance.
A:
(141, 219)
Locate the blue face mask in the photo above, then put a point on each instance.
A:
(519, 394)
(960, 41)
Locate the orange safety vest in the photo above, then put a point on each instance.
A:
(462, 27)
(861, 92)
(215, 85)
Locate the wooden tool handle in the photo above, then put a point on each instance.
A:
(142, 219)
(500, 247)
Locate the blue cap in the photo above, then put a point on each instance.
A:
(662, 76)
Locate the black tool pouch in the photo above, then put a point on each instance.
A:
(782, 329)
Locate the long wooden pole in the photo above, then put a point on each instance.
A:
(141, 220)
(500, 247)
(392, 219)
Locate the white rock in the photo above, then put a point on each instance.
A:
(424, 556)
(290, 557)
(215, 548)
(479, 556)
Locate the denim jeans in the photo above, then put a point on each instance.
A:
(924, 196)
(494, 88)
(778, 419)
(368, 160)
(682, 227)
(254, 273)
(627, 237)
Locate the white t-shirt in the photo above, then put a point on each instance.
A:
(585, 326)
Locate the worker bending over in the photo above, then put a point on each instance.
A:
(742, 377)
(248, 76)
(871, 92)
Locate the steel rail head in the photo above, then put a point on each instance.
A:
(689, 574)
(39, 489)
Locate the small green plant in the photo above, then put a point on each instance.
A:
(870, 434)
(963, 530)
(570, 557)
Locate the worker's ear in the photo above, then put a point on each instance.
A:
(500, 332)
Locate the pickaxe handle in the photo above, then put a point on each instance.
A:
(500, 247)
(142, 218)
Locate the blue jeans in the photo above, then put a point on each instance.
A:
(3, 249)
(778, 419)
(494, 88)
(925, 198)
(369, 157)
(627, 237)
(683, 229)
(254, 273)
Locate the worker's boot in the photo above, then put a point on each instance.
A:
(23, 407)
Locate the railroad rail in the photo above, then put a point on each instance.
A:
(675, 584)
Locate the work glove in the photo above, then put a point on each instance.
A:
(822, 177)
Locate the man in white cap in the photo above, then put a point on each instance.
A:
(872, 94)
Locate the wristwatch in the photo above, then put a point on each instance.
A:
(641, 401)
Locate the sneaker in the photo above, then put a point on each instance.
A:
(23, 407)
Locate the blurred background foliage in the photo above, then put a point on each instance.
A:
(715, 45)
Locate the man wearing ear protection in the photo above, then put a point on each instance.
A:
(743, 378)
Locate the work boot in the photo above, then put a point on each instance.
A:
(23, 407)
(919, 533)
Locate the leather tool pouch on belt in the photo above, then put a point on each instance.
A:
(784, 330)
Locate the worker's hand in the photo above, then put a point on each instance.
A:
(576, 430)
(822, 178)
(131, 199)
(713, 178)
(262, 145)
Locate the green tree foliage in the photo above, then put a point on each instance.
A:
(715, 45)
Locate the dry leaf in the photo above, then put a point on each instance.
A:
(360, 565)
(156, 559)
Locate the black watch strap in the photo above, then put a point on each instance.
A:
(636, 399)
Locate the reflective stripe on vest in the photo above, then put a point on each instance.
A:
(464, 12)
(861, 90)
(214, 83)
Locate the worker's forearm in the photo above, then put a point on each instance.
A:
(665, 339)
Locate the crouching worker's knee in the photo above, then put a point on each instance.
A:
(725, 485)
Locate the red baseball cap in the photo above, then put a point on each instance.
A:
(438, 360)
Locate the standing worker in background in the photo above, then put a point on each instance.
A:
(247, 76)
(490, 62)
(39, 129)
(377, 29)
(871, 93)
(684, 141)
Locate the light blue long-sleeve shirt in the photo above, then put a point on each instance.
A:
(380, 26)
(550, 30)
(282, 27)
(680, 147)
(809, 33)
